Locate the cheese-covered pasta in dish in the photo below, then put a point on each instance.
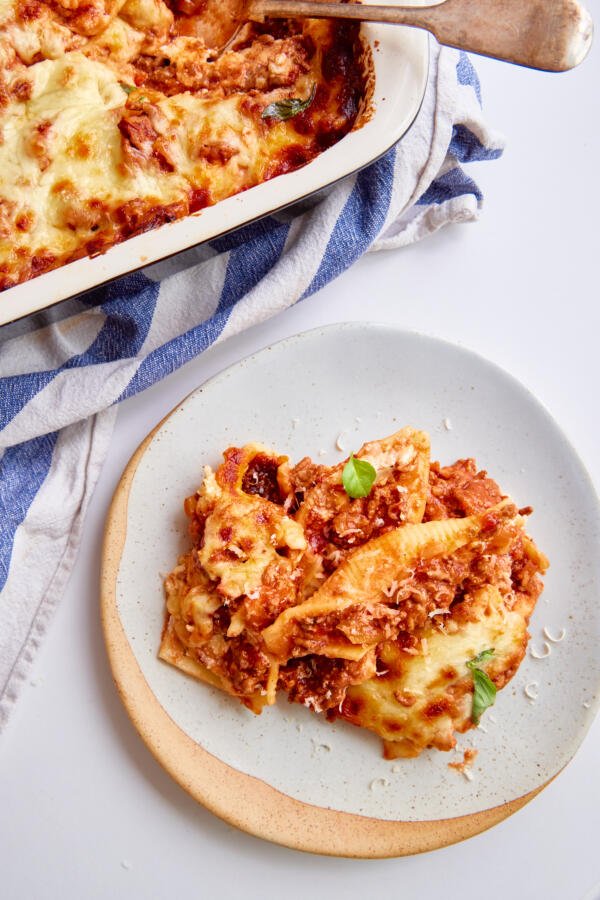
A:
(398, 602)
(117, 116)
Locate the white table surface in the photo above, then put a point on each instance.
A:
(86, 812)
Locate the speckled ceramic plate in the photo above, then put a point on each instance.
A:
(288, 775)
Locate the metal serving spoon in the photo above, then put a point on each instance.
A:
(552, 35)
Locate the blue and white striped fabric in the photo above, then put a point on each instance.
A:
(61, 380)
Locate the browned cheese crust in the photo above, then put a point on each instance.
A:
(117, 116)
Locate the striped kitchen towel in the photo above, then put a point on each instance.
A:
(62, 376)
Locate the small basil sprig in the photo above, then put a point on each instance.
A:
(358, 477)
(281, 110)
(484, 689)
(129, 90)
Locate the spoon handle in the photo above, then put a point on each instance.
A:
(552, 35)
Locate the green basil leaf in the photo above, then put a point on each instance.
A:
(128, 88)
(484, 694)
(358, 477)
(481, 657)
(281, 110)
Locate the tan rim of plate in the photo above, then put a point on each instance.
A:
(240, 799)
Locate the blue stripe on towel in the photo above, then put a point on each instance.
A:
(467, 75)
(17, 390)
(253, 231)
(247, 265)
(129, 306)
(33, 459)
(359, 223)
(466, 146)
(453, 184)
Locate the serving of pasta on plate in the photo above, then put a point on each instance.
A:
(387, 590)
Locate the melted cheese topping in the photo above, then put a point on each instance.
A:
(243, 536)
(116, 118)
(421, 699)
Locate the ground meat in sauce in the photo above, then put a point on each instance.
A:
(261, 478)
(459, 490)
(241, 660)
(279, 590)
(335, 525)
(320, 683)
(246, 665)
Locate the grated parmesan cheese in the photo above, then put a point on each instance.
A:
(379, 783)
(547, 649)
(340, 442)
(531, 691)
(555, 640)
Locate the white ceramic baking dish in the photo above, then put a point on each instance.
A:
(400, 58)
